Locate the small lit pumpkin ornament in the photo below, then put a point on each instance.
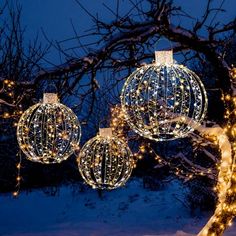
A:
(163, 100)
(105, 161)
(48, 132)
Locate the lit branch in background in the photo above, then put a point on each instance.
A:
(117, 122)
(8, 98)
(10, 103)
(121, 129)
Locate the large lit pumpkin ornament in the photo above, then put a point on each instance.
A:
(48, 132)
(105, 161)
(156, 98)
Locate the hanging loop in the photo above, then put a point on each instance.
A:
(162, 39)
(50, 88)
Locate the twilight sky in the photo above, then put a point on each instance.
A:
(55, 16)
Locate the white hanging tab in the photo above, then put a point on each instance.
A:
(164, 57)
(105, 132)
(50, 98)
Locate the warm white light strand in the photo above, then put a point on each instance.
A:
(224, 176)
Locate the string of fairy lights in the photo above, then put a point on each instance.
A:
(160, 101)
(13, 112)
(18, 175)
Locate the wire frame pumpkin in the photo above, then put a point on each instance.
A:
(163, 100)
(48, 132)
(105, 161)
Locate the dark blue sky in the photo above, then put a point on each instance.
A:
(55, 16)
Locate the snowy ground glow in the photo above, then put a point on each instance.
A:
(129, 211)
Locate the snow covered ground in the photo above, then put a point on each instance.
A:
(129, 211)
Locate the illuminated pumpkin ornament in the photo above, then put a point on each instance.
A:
(48, 132)
(105, 161)
(157, 98)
